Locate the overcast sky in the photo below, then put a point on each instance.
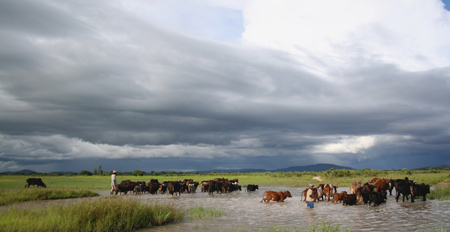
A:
(175, 85)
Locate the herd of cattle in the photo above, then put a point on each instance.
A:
(218, 185)
(373, 192)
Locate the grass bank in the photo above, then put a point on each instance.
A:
(440, 193)
(111, 214)
(11, 196)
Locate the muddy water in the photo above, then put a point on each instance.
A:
(244, 212)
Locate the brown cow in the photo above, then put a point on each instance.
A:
(355, 185)
(380, 184)
(320, 192)
(275, 196)
(329, 190)
(315, 194)
(338, 197)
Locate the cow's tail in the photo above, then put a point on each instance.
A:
(264, 197)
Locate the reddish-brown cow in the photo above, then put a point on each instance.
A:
(380, 184)
(275, 196)
(329, 190)
(338, 197)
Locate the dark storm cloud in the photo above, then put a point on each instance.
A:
(104, 87)
(37, 18)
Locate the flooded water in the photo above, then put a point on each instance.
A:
(244, 212)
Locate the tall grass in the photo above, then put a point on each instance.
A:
(112, 214)
(12, 196)
(440, 193)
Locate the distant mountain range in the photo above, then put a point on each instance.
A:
(440, 167)
(26, 171)
(307, 168)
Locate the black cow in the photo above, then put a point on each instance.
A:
(418, 190)
(402, 187)
(252, 187)
(153, 186)
(377, 198)
(127, 186)
(363, 194)
(350, 199)
(163, 187)
(174, 187)
(214, 186)
(138, 189)
(35, 181)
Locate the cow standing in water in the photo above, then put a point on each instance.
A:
(355, 185)
(275, 196)
(35, 181)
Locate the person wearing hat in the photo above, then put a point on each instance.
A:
(310, 197)
(113, 182)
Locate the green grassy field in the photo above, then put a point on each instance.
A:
(289, 179)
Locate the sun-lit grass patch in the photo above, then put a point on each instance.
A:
(112, 214)
(440, 193)
(32, 194)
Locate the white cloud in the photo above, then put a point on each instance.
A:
(327, 34)
(248, 143)
(352, 144)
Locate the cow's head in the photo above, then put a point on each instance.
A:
(287, 194)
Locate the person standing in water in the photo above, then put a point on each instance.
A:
(114, 182)
(310, 197)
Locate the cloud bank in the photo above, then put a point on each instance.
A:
(170, 85)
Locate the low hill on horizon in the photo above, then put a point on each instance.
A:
(313, 168)
(439, 167)
(306, 168)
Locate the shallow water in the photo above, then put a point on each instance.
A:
(245, 212)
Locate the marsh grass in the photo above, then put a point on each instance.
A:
(440, 193)
(113, 214)
(12, 196)
(204, 213)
